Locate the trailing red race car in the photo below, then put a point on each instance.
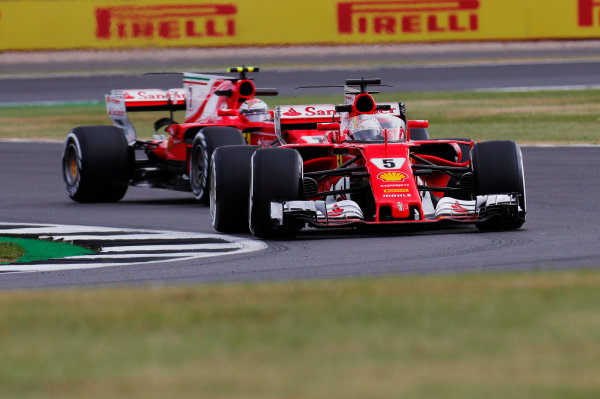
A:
(367, 170)
(100, 162)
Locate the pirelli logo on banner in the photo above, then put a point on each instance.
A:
(391, 17)
(172, 22)
(589, 13)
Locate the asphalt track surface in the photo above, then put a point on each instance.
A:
(561, 229)
(402, 78)
(66, 76)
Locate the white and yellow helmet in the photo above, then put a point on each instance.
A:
(255, 110)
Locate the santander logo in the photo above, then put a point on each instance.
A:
(292, 112)
(335, 211)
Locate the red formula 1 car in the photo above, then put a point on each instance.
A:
(100, 162)
(367, 170)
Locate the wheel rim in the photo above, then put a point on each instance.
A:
(213, 198)
(71, 165)
(197, 169)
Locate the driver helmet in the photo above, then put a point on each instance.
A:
(255, 110)
(394, 127)
(365, 127)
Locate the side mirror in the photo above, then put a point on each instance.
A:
(328, 126)
(228, 112)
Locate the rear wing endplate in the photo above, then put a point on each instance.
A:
(119, 102)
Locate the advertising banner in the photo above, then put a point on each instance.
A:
(113, 24)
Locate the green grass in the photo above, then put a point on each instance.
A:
(10, 252)
(24, 250)
(547, 117)
(485, 336)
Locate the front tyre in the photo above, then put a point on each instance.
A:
(95, 164)
(230, 187)
(498, 169)
(276, 175)
(205, 143)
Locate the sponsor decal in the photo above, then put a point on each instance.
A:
(311, 111)
(588, 13)
(151, 95)
(319, 111)
(169, 21)
(392, 111)
(175, 95)
(292, 112)
(407, 16)
(335, 211)
(395, 185)
(395, 190)
(457, 207)
(397, 195)
(392, 176)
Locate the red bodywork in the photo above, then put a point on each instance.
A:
(209, 100)
(396, 190)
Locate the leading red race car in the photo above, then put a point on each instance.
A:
(100, 162)
(367, 170)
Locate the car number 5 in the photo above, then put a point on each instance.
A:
(388, 163)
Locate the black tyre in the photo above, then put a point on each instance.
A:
(276, 175)
(498, 169)
(229, 187)
(96, 164)
(419, 133)
(205, 143)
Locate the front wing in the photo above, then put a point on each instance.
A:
(346, 213)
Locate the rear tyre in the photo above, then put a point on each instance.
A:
(229, 187)
(498, 169)
(276, 175)
(205, 143)
(419, 133)
(95, 164)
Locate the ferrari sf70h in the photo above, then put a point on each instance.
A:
(100, 162)
(371, 166)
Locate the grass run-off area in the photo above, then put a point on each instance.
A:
(567, 117)
(525, 335)
(10, 251)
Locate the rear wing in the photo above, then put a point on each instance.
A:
(308, 117)
(119, 102)
(302, 117)
(191, 98)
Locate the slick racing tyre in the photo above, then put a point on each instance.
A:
(498, 169)
(207, 140)
(230, 187)
(419, 133)
(276, 175)
(96, 164)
